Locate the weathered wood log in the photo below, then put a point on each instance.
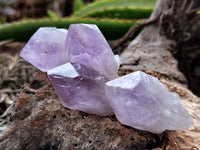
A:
(176, 34)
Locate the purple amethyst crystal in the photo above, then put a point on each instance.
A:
(87, 46)
(80, 87)
(45, 49)
(138, 100)
(142, 101)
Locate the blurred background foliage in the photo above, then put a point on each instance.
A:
(108, 15)
(12, 10)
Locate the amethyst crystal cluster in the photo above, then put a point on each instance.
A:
(83, 71)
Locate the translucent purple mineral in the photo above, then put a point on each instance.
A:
(80, 65)
(142, 101)
(80, 87)
(86, 45)
(45, 49)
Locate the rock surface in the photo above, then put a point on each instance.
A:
(41, 122)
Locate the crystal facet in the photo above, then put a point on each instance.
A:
(45, 49)
(138, 100)
(80, 87)
(86, 45)
(142, 101)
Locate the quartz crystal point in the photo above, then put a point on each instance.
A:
(86, 45)
(142, 101)
(46, 49)
(80, 87)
